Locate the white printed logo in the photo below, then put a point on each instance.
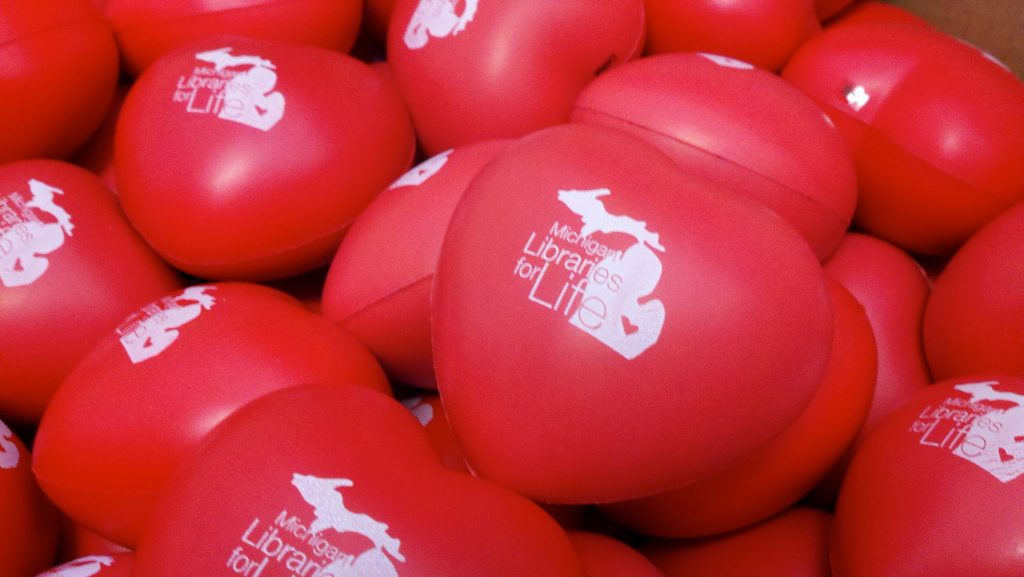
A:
(600, 297)
(987, 428)
(423, 172)
(81, 567)
(9, 454)
(284, 539)
(244, 96)
(727, 62)
(24, 237)
(148, 332)
(420, 409)
(438, 18)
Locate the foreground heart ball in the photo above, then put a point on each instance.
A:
(340, 481)
(28, 522)
(150, 390)
(603, 322)
(761, 32)
(148, 29)
(473, 71)
(951, 457)
(778, 148)
(64, 249)
(58, 70)
(973, 320)
(378, 286)
(239, 158)
(934, 162)
(787, 468)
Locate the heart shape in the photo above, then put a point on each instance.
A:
(139, 406)
(628, 327)
(1005, 456)
(588, 226)
(340, 480)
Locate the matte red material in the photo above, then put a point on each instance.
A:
(114, 565)
(934, 490)
(825, 9)
(606, 557)
(65, 248)
(429, 411)
(473, 71)
(764, 33)
(872, 11)
(893, 289)
(935, 160)
(150, 390)
(594, 305)
(973, 320)
(76, 541)
(343, 478)
(378, 286)
(28, 522)
(787, 468)
(248, 159)
(58, 70)
(97, 155)
(794, 544)
(148, 29)
(739, 126)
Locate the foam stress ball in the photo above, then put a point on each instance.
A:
(353, 487)
(64, 248)
(148, 29)
(794, 542)
(28, 522)
(935, 161)
(787, 468)
(378, 287)
(740, 126)
(952, 454)
(972, 321)
(429, 411)
(893, 289)
(248, 159)
(152, 388)
(97, 155)
(113, 565)
(582, 268)
(473, 71)
(763, 33)
(603, 556)
(58, 70)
